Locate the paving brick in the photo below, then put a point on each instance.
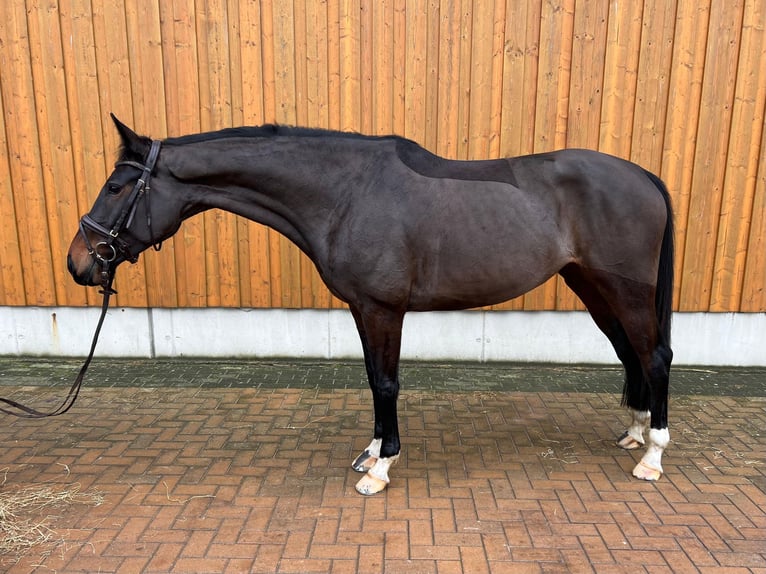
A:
(199, 565)
(411, 566)
(198, 478)
(267, 559)
(303, 566)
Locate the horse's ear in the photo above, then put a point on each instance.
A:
(134, 146)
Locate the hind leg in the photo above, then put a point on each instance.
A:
(650, 466)
(634, 396)
(624, 311)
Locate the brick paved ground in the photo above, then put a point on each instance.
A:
(244, 467)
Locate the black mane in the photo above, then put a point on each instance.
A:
(266, 131)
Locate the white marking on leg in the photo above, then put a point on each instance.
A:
(650, 466)
(369, 456)
(639, 424)
(374, 448)
(380, 470)
(634, 436)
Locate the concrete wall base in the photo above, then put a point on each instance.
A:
(734, 339)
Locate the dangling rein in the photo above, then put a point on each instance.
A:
(25, 412)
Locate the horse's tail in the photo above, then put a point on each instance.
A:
(663, 299)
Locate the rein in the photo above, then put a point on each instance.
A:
(26, 412)
(104, 254)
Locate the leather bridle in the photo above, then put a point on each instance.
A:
(112, 246)
(104, 253)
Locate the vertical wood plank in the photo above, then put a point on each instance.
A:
(288, 255)
(183, 117)
(683, 114)
(463, 78)
(350, 65)
(21, 130)
(588, 74)
(313, 291)
(333, 59)
(58, 179)
(479, 81)
(299, 48)
(105, 72)
(431, 88)
(367, 64)
(148, 88)
(449, 86)
(399, 57)
(382, 66)
(12, 290)
(253, 95)
(742, 159)
(496, 91)
(221, 240)
(416, 74)
(552, 106)
(710, 160)
(754, 288)
(587, 78)
(519, 85)
(521, 62)
(653, 84)
(622, 49)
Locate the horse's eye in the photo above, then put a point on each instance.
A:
(114, 188)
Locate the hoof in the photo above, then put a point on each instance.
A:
(369, 485)
(627, 442)
(646, 472)
(364, 462)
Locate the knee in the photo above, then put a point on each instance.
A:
(387, 389)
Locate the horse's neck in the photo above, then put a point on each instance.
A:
(291, 186)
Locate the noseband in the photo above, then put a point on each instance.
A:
(106, 251)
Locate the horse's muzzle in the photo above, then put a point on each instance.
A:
(82, 278)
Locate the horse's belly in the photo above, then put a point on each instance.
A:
(464, 288)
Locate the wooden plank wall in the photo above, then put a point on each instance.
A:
(675, 85)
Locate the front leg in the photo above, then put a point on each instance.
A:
(383, 451)
(380, 331)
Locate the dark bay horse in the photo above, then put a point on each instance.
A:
(393, 228)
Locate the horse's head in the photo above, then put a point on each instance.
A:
(133, 210)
